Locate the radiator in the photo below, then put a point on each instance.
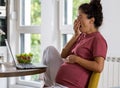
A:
(110, 77)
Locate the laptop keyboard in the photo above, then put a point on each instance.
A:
(25, 66)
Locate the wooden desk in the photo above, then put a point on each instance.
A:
(9, 70)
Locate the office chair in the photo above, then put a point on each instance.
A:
(94, 79)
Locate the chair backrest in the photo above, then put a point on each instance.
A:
(94, 79)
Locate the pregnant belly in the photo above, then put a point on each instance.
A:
(72, 75)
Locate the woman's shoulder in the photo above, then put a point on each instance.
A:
(99, 36)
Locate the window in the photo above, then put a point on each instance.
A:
(68, 13)
(29, 22)
(30, 12)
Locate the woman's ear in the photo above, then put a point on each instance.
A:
(92, 20)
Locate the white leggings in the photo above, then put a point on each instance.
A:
(51, 58)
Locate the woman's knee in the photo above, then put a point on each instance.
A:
(49, 54)
(50, 48)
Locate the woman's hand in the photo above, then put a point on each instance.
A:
(77, 26)
(71, 59)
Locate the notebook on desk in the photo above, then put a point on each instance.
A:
(23, 66)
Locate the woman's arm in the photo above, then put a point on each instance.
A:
(67, 48)
(96, 65)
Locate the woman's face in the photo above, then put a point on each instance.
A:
(85, 22)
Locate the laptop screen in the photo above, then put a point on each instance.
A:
(10, 51)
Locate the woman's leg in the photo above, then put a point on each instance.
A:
(53, 60)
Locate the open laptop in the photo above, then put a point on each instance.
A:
(23, 66)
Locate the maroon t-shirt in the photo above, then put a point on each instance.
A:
(87, 46)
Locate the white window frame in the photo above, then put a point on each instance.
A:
(65, 29)
(24, 30)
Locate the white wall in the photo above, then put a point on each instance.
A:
(111, 31)
(49, 26)
(111, 26)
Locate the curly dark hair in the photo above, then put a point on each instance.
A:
(93, 9)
